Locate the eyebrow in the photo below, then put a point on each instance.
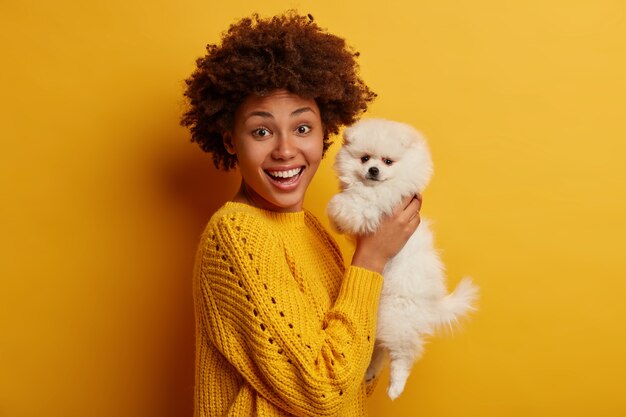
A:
(269, 115)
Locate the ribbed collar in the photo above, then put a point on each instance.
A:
(289, 219)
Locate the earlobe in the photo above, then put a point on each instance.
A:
(228, 143)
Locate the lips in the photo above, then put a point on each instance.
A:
(285, 179)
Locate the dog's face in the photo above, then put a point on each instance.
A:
(378, 152)
(371, 166)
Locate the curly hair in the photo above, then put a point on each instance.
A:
(258, 56)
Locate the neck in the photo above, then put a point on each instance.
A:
(248, 196)
(243, 196)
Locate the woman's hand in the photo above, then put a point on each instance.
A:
(374, 250)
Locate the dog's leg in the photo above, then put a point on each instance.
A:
(400, 364)
(376, 364)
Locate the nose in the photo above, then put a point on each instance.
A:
(373, 171)
(285, 148)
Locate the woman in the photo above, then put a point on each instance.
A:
(283, 328)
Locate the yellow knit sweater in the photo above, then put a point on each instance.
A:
(281, 327)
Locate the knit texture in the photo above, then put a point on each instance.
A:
(282, 328)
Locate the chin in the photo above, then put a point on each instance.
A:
(282, 203)
(380, 163)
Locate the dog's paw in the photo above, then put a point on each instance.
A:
(395, 389)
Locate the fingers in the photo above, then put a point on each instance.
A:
(415, 216)
(417, 200)
(411, 207)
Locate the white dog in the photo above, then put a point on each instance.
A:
(380, 163)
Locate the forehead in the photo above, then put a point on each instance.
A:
(277, 103)
(378, 146)
(381, 138)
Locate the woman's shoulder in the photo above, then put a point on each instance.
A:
(237, 218)
(235, 227)
(234, 212)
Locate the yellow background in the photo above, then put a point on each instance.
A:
(104, 198)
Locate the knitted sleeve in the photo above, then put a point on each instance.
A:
(261, 320)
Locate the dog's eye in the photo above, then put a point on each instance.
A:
(387, 161)
(365, 158)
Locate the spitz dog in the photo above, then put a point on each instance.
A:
(380, 162)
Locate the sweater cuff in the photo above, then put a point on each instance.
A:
(363, 287)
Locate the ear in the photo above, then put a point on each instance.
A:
(227, 139)
(347, 136)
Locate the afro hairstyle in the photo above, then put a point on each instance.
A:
(258, 56)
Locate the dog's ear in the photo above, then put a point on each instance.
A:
(347, 135)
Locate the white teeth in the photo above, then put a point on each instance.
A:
(285, 174)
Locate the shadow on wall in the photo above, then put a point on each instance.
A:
(190, 183)
(193, 180)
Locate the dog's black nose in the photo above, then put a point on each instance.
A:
(373, 171)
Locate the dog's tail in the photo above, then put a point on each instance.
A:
(458, 303)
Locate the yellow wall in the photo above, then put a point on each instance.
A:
(103, 198)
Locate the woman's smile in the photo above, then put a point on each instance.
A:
(285, 179)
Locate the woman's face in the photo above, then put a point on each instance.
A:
(278, 140)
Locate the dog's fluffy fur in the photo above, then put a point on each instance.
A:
(381, 162)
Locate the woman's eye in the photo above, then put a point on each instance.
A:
(303, 129)
(260, 132)
(388, 161)
(365, 158)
